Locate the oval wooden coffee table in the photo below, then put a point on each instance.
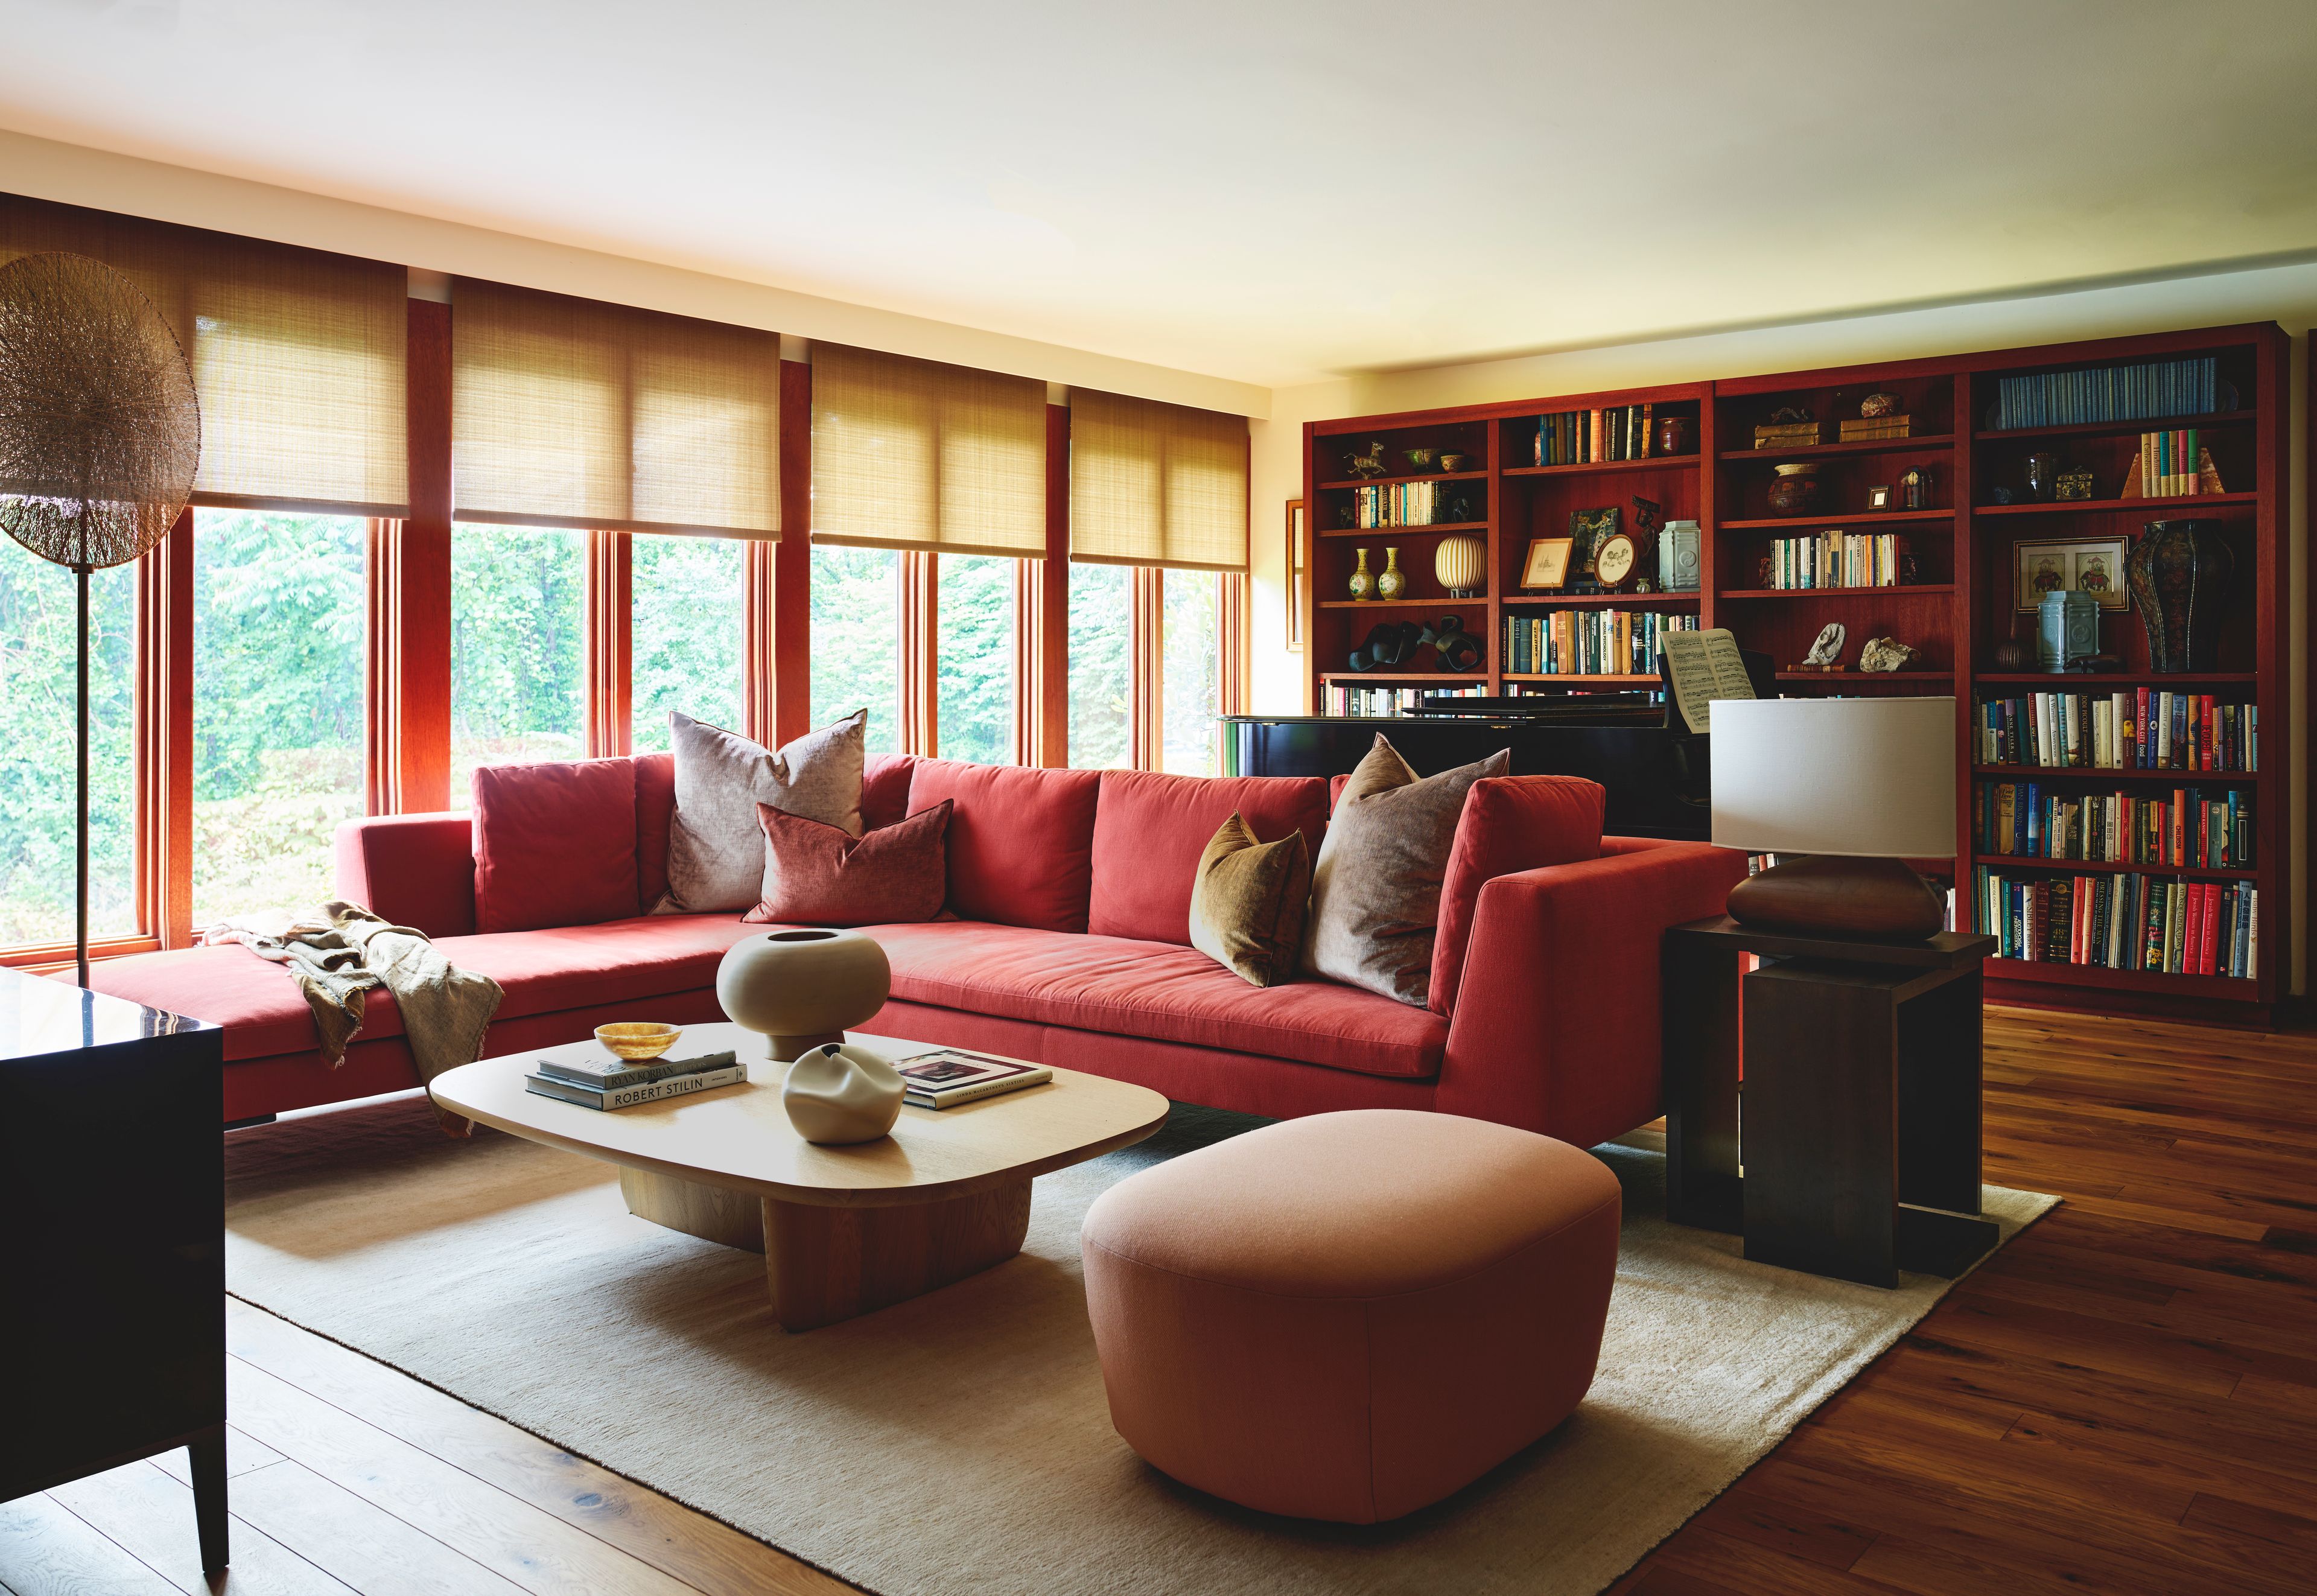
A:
(844, 1230)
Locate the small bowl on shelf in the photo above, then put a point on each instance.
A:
(637, 1040)
(1421, 459)
(1452, 462)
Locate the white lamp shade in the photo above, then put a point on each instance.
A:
(1871, 777)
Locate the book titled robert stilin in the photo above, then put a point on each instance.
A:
(614, 1083)
(950, 1076)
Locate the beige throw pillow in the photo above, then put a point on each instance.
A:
(1375, 887)
(1247, 901)
(715, 848)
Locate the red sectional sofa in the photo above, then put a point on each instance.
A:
(1071, 947)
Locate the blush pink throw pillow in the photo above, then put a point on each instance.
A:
(819, 874)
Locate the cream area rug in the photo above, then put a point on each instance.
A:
(960, 1443)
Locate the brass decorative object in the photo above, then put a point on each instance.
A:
(100, 436)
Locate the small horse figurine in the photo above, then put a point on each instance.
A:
(1370, 464)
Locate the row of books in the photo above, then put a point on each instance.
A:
(600, 1081)
(2111, 393)
(1836, 559)
(1584, 437)
(2190, 828)
(1396, 503)
(2171, 463)
(1588, 643)
(2138, 729)
(1345, 698)
(2124, 922)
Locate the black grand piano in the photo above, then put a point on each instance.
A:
(1655, 772)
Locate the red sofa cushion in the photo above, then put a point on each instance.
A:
(655, 808)
(555, 844)
(1149, 831)
(416, 870)
(818, 875)
(1152, 988)
(885, 789)
(1510, 823)
(255, 1001)
(631, 960)
(1021, 841)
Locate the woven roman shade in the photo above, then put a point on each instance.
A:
(297, 354)
(570, 412)
(1157, 484)
(916, 454)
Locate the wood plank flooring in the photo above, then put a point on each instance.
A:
(2126, 1401)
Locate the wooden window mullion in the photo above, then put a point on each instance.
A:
(1147, 648)
(920, 612)
(609, 644)
(164, 733)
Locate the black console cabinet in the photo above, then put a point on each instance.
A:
(112, 1183)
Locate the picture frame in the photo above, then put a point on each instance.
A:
(1546, 563)
(2073, 565)
(1878, 497)
(1299, 551)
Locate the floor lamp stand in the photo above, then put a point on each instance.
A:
(80, 826)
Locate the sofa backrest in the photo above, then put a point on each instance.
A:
(1508, 824)
(416, 870)
(885, 790)
(1020, 842)
(1149, 831)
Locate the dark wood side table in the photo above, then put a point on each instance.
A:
(1861, 1123)
(113, 1173)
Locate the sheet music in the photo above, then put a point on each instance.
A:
(1700, 667)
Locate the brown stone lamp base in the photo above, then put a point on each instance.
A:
(1879, 899)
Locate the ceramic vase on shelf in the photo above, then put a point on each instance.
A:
(2178, 573)
(802, 988)
(1392, 584)
(1794, 491)
(1362, 583)
(1460, 564)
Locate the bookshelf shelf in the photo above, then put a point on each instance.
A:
(2121, 429)
(1437, 602)
(2101, 773)
(1900, 587)
(2001, 862)
(1402, 678)
(1377, 533)
(1956, 618)
(1914, 446)
(2080, 506)
(1837, 521)
(1647, 463)
(1393, 481)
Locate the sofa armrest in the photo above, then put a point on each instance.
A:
(1556, 1028)
(416, 870)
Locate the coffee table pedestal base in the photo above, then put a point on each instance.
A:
(827, 1263)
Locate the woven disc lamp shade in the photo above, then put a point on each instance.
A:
(1857, 786)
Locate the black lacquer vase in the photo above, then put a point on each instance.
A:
(2179, 573)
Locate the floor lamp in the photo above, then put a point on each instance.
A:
(100, 436)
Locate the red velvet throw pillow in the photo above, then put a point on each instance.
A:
(818, 875)
(1510, 823)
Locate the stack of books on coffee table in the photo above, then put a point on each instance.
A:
(606, 1082)
(951, 1075)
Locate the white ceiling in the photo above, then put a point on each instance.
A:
(1270, 193)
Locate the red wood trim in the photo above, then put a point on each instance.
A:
(919, 731)
(789, 634)
(1146, 648)
(56, 958)
(1230, 614)
(759, 573)
(381, 705)
(1053, 600)
(164, 738)
(419, 653)
(1029, 670)
(610, 609)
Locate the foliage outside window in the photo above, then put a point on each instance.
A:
(688, 634)
(1102, 673)
(278, 616)
(36, 704)
(518, 649)
(1193, 672)
(857, 639)
(975, 661)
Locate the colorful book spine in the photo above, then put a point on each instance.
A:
(2152, 924)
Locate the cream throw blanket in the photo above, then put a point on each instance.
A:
(347, 950)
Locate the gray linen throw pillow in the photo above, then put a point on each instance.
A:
(1375, 887)
(715, 848)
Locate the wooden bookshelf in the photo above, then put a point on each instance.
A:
(1956, 611)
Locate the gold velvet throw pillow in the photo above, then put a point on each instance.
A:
(1247, 901)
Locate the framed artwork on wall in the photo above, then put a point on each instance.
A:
(1297, 558)
(2089, 565)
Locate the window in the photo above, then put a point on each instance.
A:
(38, 669)
(689, 609)
(975, 661)
(518, 647)
(857, 639)
(1102, 670)
(1192, 674)
(278, 609)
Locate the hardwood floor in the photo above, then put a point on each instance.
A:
(2124, 1399)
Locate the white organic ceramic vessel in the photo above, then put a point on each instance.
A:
(802, 988)
(841, 1093)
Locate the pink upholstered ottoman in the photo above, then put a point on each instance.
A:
(1352, 1315)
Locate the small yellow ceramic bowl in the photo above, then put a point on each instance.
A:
(638, 1039)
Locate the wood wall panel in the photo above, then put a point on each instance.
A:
(164, 738)
(790, 631)
(1053, 684)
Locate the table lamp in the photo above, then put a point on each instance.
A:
(1857, 786)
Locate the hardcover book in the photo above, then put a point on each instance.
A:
(951, 1075)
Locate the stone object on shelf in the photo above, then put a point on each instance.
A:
(1883, 653)
(1828, 649)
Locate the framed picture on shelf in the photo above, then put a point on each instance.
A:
(1589, 529)
(1547, 564)
(2093, 566)
(1297, 558)
(1878, 497)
